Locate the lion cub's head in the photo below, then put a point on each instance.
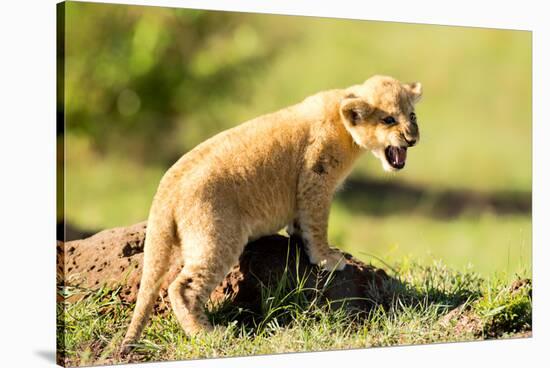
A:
(379, 115)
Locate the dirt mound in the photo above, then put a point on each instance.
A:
(114, 257)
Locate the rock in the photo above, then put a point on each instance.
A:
(114, 258)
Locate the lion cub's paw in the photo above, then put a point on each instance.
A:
(334, 261)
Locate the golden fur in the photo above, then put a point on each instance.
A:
(277, 170)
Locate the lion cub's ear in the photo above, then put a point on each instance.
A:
(354, 110)
(415, 91)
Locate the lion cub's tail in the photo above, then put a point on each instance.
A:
(159, 239)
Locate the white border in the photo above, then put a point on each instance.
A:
(27, 118)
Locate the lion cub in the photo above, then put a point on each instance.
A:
(254, 179)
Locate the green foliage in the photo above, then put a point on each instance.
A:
(135, 76)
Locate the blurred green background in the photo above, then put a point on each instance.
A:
(143, 85)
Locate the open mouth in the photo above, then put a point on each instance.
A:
(396, 156)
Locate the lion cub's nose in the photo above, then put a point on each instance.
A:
(411, 142)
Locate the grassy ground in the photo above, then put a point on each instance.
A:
(433, 304)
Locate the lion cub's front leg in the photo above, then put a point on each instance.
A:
(313, 212)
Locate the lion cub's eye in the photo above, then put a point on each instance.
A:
(413, 117)
(389, 120)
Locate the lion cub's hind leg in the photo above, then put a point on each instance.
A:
(206, 259)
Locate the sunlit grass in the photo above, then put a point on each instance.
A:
(292, 321)
(490, 244)
(102, 192)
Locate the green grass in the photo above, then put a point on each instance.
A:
(491, 244)
(432, 304)
(102, 192)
